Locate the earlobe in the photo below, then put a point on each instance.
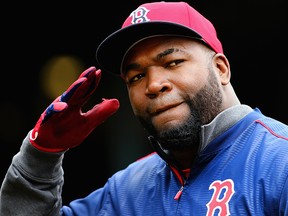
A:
(223, 68)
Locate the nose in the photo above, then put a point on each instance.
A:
(157, 82)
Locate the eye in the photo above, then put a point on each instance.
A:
(174, 63)
(136, 78)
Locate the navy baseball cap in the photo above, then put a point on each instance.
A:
(155, 19)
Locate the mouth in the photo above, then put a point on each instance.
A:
(168, 116)
(162, 109)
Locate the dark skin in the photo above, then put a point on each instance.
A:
(175, 86)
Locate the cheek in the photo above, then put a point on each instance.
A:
(191, 86)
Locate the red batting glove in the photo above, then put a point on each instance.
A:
(63, 125)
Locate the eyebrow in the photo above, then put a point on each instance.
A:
(166, 52)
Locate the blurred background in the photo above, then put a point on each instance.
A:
(46, 47)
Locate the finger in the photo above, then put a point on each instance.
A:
(72, 89)
(87, 72)
(53, 108)
(86, 89)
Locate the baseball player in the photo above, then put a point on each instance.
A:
(213, 154)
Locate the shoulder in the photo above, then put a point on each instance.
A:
(276, 131)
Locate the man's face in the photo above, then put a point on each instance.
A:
(172, 88)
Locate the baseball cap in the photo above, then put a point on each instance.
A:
(155, 19)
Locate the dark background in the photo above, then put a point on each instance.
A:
(253, 34)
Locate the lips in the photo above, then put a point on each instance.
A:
(157, 110)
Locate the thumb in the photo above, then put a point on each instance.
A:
(100, 112)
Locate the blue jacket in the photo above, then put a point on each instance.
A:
(243, 171)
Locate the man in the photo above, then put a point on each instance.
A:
(213, 155)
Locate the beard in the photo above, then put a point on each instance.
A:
(204, 106)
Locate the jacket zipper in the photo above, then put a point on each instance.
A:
(170, 162)
(179, 193)
(182, 182)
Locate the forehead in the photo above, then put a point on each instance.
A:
(157, 43)
(154, 48)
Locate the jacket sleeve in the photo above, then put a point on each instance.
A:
(33, 183)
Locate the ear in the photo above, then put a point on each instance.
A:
(222, 67)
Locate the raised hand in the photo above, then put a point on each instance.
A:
(63, 124)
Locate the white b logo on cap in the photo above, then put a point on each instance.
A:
(139, 15)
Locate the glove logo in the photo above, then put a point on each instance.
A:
(139, 15)
(33, 135)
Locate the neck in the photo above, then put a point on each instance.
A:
(185, 158)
